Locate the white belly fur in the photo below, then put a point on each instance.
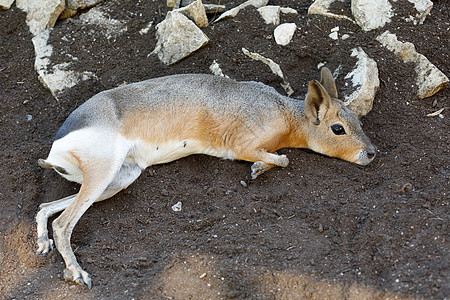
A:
(147, 154)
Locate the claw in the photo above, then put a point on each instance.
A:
(45, 245)
(88, 282)
(82, 277)
(258, 168)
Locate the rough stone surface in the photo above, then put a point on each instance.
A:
(321, 7)
(6, 4)
(177, 38)
(196, 12)
(270, 14)
(429, 78)
(423, 8)
(365, 79)
(41, 14)
(288, 10)
(216, 70)
(57, 77)
(284, 33)
(214, 8)
(371, 14)
(73, 6)
(234, 11)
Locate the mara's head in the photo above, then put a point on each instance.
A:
(333, 129)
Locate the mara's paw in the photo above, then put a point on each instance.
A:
(258, 168)
(45, 245)
(76, 275)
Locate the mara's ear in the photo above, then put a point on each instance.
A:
(317, 102)
(327, 81)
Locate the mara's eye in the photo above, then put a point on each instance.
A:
(338, 129)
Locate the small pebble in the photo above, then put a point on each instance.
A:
(177, 207)
(243, 183)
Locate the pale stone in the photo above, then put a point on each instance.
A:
(270, 14)
(196, 12)
(333, 35)
(146, 28)
(72, 7)
(214, 8)
(41, 14)
(56, 78)
(371, 14)
(429, 79)
(288, 10)
(423, 8)
(6, 4)
(234, 11)
(284, 33)
(274, 67)
(216, 70)
(177, 38)
(365, 79)
(321, 7)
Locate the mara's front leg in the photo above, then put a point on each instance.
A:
(263, 161)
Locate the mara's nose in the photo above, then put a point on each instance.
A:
(371, 154)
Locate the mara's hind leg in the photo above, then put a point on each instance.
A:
(127, 175)
(46, 210)
(102, 181)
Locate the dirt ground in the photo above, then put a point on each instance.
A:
(320, 228)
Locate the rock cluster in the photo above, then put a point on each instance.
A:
(180, 34)
(370, 15)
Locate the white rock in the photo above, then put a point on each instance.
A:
(371, 14)
(214, 8)
(284, 33)
(41, 14)
(146, 28)
(423, 8)
(196, 12)
(365, 79)
(270, 14)
(288, 10)
(72, 6)
(216, 70)
(177, 207)
(177, 38)
(234, 11)
(274, 67)
(345, 36)
(58, 77)
(321, 7)
(334, 35)
(429, 79)
(6, 4)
